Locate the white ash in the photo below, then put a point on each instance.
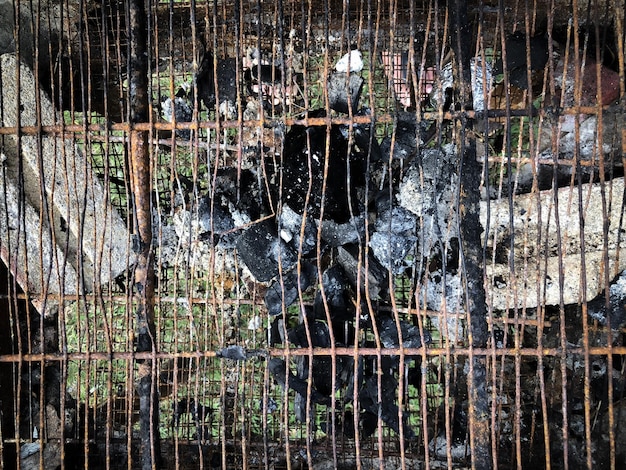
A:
(450, 326)
(428, 190)
(182, 248)
(290, 224)
(394, 239)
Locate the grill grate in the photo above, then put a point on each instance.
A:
(312, 235)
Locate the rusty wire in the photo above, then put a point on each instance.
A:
(120, 302)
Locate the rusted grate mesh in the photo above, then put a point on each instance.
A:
(312, 235)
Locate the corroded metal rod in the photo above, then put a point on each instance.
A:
(138, 112)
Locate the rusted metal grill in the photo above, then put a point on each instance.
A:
(312, 234)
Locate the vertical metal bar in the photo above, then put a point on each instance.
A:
(141, 195)
(471, 246)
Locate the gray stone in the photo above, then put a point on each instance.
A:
(81, 230)
(537, 266)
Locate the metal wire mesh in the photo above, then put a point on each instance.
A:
(312, 234)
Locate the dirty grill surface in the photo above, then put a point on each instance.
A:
(312, 235)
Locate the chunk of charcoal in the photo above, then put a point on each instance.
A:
(366, 143)
(365, 137)
(323, 378)
(322, 365)
(385, 405)
(451, 285)
(226, 80)
(242, 193)
(440, 448)
(270, 74)
(262, 251)
(443, 93)
(285, 292)
(392, 250)
(428, 191)
(335, 288)
(405, 140)
(213, 217)
(198, 411)
(318, 331)
(179, 109)
(337, 234)
(394, 238)
(235, 352)
(276, 332)
(284, 377)
(411, 336)
(396, 220)
(516, 57)
(302, 176)
(615, 313)
(342, 88)
(355, 268)
(290, 224)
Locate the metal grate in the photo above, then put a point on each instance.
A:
(312, 235)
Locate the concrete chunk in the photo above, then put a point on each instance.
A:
(62, 223)
(536, 241)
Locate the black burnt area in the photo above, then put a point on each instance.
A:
(600, 38)
(226, 72)
(516, 57)
(303, 170)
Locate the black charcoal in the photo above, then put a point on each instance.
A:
(337, 234)
(278, 369)
(411, 336)
(516, 57)
(269, 74)
(322, 365)
(342, 88)
(317, 330)
(214, 217)
(304, 157)
(226, 81)
(355, 268)
(284, 292)
(405, 140)
(290, 225)
(366, 143)
(385, 405)
(336, 292)
(262, 251)
(276, 332)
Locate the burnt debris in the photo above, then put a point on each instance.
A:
(516, 59)
(220, 71)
